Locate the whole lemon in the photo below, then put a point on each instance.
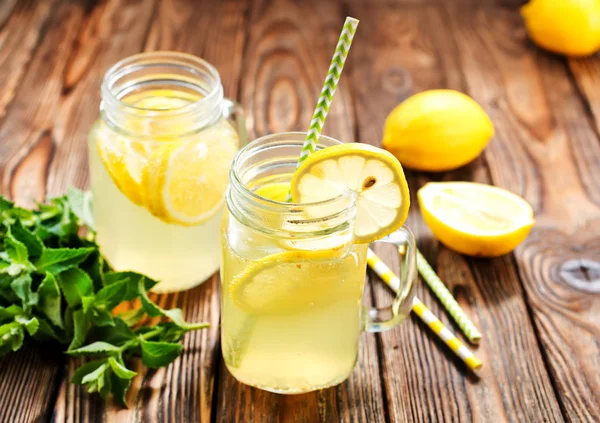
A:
(570, 27)
(437, 130)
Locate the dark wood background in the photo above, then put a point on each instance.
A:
(539, 308)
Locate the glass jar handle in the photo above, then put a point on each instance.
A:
(233, 111)
(386, 318)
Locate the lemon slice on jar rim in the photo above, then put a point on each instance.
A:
(376, 177)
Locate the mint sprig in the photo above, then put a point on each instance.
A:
(56, 286)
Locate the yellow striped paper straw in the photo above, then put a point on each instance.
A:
(445, 334)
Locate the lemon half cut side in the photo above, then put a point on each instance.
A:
(475, 219)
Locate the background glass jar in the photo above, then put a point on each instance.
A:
(293, 278)
(160, 155)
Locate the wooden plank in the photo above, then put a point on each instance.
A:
(21, 27)
(28, 380)
(554, 154)
(285, 64)
(183, 392)
(28, 124)
(44, 135)
(400, 51)
(586, 73)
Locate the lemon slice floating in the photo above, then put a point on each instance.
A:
(291, 281)
(475, 219)
(123, 160)
(374, 174)
(125, 157)
(276, 191)
(184, 182)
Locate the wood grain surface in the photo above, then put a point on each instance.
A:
(538, 308)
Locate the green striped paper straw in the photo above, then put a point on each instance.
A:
(439, 289)
(310, 143)
(331, 81)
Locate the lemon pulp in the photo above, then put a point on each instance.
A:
(475, 219)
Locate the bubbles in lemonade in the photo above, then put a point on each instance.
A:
(158, 198)
(291, 311)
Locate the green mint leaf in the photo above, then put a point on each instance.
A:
(50, 300)
(5, 204)
(175, 314)
(159, 354)
(14, 269)
(102, 317)
(134, 282)
(95, 265)
(150, 307)
(27, 217)
(32, 324)
(105, 385)
(132, 317)
(95, 348)
(120, 388)
(56, 260)
(96, 375)
(21, 286)
(31, 241)
(87, 303)
(15, 250)
(48, 212)
(81, 205)
(81, 327)
(120, 370)
(9, 313)
(171, 332)
(75, 285)
(65, 223)
(99, 312)
(85, 369)
(116, 335)
(112, 295)
(11, 336)
(47, 332)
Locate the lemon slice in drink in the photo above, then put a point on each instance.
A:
(290, 282)
(125, 157)
(184, 182)
(374, 174)
(277, 191)
(475, 219)
(123, 160)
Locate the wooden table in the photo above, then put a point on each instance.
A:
(539, 308)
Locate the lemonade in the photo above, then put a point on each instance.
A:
(293, 274)
(304, 332)
(159, 161)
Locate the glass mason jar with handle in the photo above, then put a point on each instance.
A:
(292, 277)
(160, 155)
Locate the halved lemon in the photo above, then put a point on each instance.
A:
(292, 281)
(374, 174)
(184, 182)
(475, 219)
